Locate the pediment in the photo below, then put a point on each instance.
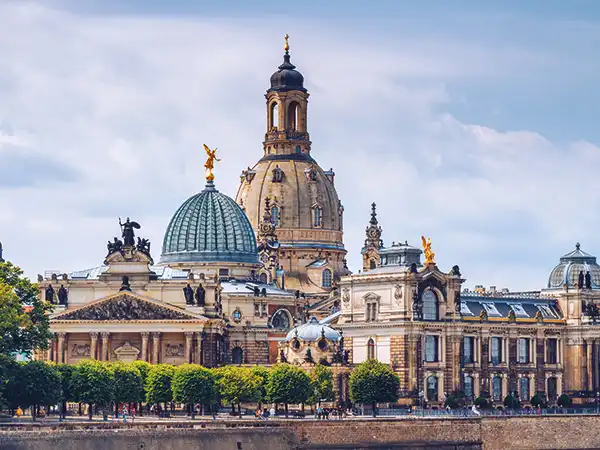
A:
(371, 297)
(126, 306)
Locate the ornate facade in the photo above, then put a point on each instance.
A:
(441, 338)
(304, 205)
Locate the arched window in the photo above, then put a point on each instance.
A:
(371, 349)
(237, 355)
(468, 386)
(275, 215)
(274, 116)
(298, 149)
(372, 264)
(430, 305)
(292, 118)
(524, 389)
(497, 389)
(317, 217)
(263, 278)
(326, 278)
(281, 320)
(432, 389)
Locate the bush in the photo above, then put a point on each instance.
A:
(564, 401)
(373, 382)
(512, 402)
(538, 400)
(482, 402)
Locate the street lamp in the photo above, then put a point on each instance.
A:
(422, 402)
(597, 402)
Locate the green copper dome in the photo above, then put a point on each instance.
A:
(209, 227)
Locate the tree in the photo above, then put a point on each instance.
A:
(129, 387)
(455, 399)
(237, 385)
(262, 373)
(12, 320)
(564, 401)
(158, 384)
(193, 384)
(66, 372)
(288, 384)
(373, 382)
(538, 400)
(10, 374)
(321, 379)
(39, 384)
(144, 368)
(482, 402)
(93, 383)
(33, 329)
(512, 402)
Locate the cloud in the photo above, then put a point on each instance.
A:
(113, 111)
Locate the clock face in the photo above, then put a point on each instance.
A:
(237, 315)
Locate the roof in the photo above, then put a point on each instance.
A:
(313, 331)
(525, 309)
(209, 227)
(567, 271)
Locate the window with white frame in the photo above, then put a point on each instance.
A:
(317, 213)
(497, 388)
(371, 310)
(468, 386)
(431, 348)
(524, 389)
(468, 349)
(523, 350)
(430, 305)
(370, 349)
(496, 350)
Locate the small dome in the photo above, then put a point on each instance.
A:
(287, 78)
(312, 331)
(209, 227)
(570, 265)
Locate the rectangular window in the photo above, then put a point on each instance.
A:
(431, 348)
(223, 272)
(468, 349)
(552, 351)
(368, 315)
(497, 389)
(496, 350)
(468, 386)
(523, 350)
(524, 389)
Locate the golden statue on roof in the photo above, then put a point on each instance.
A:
(429, 254)
(210, 162)
(286, 47)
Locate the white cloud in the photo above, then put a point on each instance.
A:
(123, 104)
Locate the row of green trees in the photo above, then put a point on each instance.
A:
(98, 384)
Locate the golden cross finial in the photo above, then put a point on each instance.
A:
(286, 47)
(210, 162)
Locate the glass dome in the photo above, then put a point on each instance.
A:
(209, 227)
(570, 265)
(312, 331)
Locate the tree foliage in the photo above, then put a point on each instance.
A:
(93, 383)
(511, 402)
(21, 330)
(158, 383)
(538, 400)
(288, 384)
(373, 382)
(564, 401)
(321, 378)
(238, 384)
(129, 387)
(193, 384)
(263, 374)
(144, 368)
(38, 384)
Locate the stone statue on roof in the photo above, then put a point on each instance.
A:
(128, 233)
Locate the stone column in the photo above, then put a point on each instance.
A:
(589, 348)
(412, 362)
(188, 346)
(155, 347)
(476, 385)
(105, 352)
(61, 347)
(93, 344)
(51, 355)
(199, 348)
(145, 335)
(559, 382)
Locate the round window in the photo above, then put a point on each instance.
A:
(237, 315)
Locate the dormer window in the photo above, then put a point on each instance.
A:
(275, 215)
(326, 278)
(277, 175)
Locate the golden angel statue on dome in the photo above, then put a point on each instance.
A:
(429, 254)
(210, 162)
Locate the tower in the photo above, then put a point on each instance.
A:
(373, 242)
(304, 204)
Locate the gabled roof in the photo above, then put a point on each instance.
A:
(126, 306)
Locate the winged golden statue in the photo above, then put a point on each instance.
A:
(429, 254)
(210, 162)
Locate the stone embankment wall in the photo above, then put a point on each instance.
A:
(467, 434)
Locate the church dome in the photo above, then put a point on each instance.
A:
(287, 78)
(570, 265)
(209, 227)
(312, 331)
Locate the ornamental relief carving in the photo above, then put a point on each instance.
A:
(174, 350)
(80, 350)
(124, 308)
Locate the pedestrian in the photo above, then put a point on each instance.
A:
(272, 412)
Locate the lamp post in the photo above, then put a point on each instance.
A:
(422, 402)
(597, 402)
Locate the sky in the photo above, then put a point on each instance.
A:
(474, 123)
